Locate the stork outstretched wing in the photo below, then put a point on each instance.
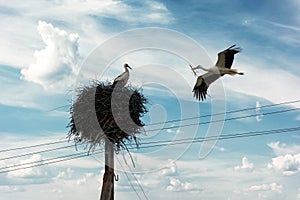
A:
(226, 57)
(202, 84)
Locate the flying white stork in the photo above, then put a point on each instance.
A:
(122, 79)
(222, 67)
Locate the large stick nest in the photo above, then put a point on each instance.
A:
(102, 111)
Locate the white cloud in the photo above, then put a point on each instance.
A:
(288, 164)
(64, 174)
(246, 165)
(144, 12)
(84, 179)
(264, 191)
(222, 149)
(298, 195)
(170, 131)
(86, 18)
(30, 172)
(148, 12)
(266, 187)
(177, 131)
(83, 17)
(169, 170)
(58, 191)
(283, 149)
(280, 88)
(57, 64)
(10, 189)
(175, 185)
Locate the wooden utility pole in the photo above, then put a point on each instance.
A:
(107, 192)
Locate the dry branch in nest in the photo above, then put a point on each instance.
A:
(101, 111)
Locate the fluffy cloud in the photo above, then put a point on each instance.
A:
(10, 189)
(288, 158)
(143, 12)
(84, 17)
(57, 64)
(264, 191)
(30, 172)
(169, 170)
(68, 174)
(246, 165)
(266, 187)
(84, 179)
(286, 82)
(283, 149)
(175, 185)
(288, 164)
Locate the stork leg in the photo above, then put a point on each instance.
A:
(194, 70)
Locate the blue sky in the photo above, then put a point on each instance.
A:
(48, 48)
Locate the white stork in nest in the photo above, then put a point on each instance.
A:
(122, 79)
(222, 67)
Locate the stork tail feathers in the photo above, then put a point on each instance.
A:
(233, 72)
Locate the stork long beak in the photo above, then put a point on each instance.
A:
(127, 66)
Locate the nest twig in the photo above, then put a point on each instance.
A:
(101, 110)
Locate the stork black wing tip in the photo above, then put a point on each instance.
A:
(232, 46)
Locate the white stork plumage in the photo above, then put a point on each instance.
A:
(122, 79)
(222, 67)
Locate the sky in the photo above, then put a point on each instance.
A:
(50, 48)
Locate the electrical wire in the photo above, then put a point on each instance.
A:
(43, 160)
(223, 113)
(32, 146)
(160, 144)
(223, 120)
(221, 137)
(139, 184)
(36, 152)
(51, 161)
(233, 118)
(132, 186)
(174, 120)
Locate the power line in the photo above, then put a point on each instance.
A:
(223, 113)
(179, 126)
(59, 107)
(43, 160)
(159, 144)
(35, 145)
(221, 137)
(139, 184)
(169, 121)
(132, 186)
(233, 118)
(36, 152)
(223, 120)
(51, 161)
